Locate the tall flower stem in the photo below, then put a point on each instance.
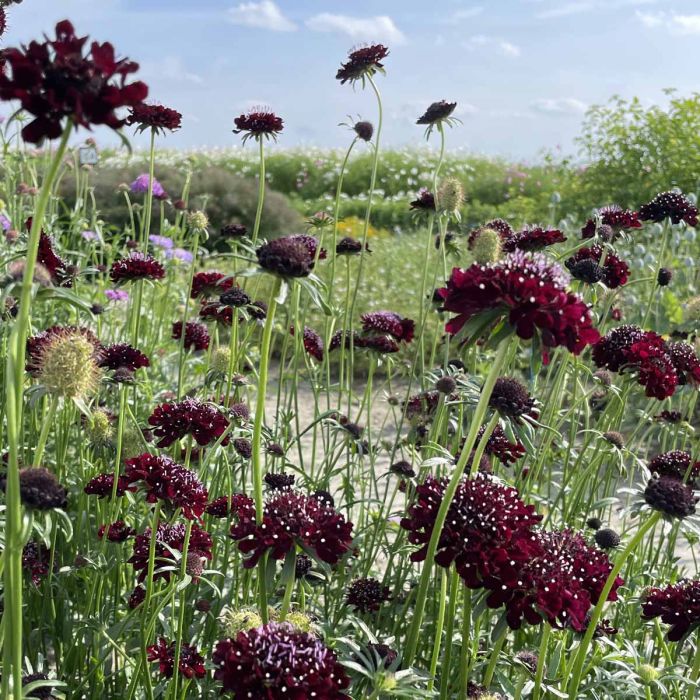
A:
(257, 435)
(541, 660)
(149, 192)
(14, 396)
(438, 630)
(577, 666)
(261, 192)
(477, 420)
(695, 671)
(181, 363)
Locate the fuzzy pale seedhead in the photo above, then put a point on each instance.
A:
(68, 366)
(692, 309)
(235, 621)
(450, 195)
(487, 247)
(198, 220)
(300, 620)
(99, 427)
(221, 359)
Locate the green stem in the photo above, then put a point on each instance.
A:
(438, 630)
(45, 428)
(493, 657)
(695, 672)
(541, 657)
(288, 578)
(261, 193)
(149, 191)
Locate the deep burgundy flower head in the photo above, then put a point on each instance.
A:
(610, 352)
(118, 531)
(673, 205)
(613, 219)
(558, 583)
(422, 406)
(233, 231)
(37, 345)
(172, 421)
(165, 480)
(36, 561)
(258, 310)
(389, 323)
(191, 664)
(362, 62)
(606, 538)
(277, 481)
(213, 311)
(278, 661)
(137, 596)
(291, 518)
(103, 484)
(500, 447)
(311, 243)
(532, 238)
(57, 267)
(615, 271)
(236, 504)
(58, 80)
(670, 496)
(350, 246)
(235, 297)
(511, 399)
(663, 279)
(675, 463)
(257, 124)
(169, 538)
(156, 117)
(530, 292)
(288, 256)
(382, 344)
(196, 335)
(313, 343)
(39, 489)
(343, 339)
(437, 112)
(487, 528)
(403, 468)
(123, 355)
(587, 270)
(364, 130)
(425, 201)
(244, 447)
(366, 595)
(651, 361)
(685, 362)
(667, 416)
(678, 605)
(44, 692)
(210, 284)
(136, 266)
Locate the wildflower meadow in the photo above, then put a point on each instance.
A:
(327, 458)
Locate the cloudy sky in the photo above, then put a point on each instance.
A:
(522, 71)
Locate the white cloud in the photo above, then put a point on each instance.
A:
(577, 7)
(169, 68)
(650, 19)
(379, 28)
(262, 15)
(559, 105)
(500, 45)
(565, 10)
(466, 13)
(675, 23)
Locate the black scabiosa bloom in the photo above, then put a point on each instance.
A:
(606, 538)
(677, 464)
(350, 246)
(403, 468)
(191, 663)
(362, 63)
(196, 335)
(313, 343)
(156, 117)
(613, 219)
(670, 496)
(118, 531)
(58, 268)
(103, 484)
(672, 205)
(388, 323)
(663, 279)
(425, 201)
(237, 503)
(210, 283)
(532, 238)
(512, 400)
(39, 489)
(258, 124)
(364, 130)
(366, 595)
(233, 231)
(122, 356)
(613, 272)
(136, 266)
(279, 481)
(36, 560)
(288, 256)
(437, 112)
(610, 352)
(678, 605)
(235, 297)
(172, 421)
(278, 661)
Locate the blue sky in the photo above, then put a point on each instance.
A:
(522, 71)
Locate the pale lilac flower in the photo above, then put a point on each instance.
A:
(116, 294)
(5, 223)
(161, 241)
(179, 254)
(140, 186)
(90, 235)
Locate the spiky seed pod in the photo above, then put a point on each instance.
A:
(487, 246)
(220, 359)
(68, 366)
(450, 195)
(615, 438)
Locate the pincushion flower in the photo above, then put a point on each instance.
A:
(169, 539)
(366, 595)
(173, 421)
(57, 267)
(210, 284)
(437, 112)
(559, 582)
(532, 238)
(425, 201)
(257, 124)
(213, 311)
(238, 504)
(196, 335)
(313, 343)
(289, 256)
(685, 362)
(675, 463)
(350, 246)
(191, 663)
(123, 355)
(140, 186)
(364, 130)
(118, 531)
(650, 359)
(36, 561)
(362, 63)
(276, 662)
(39, 489)
(672, 205)
(165, 480)
(500, 447)
(136, 266)
(678, 605)
(529, 292)
(156, 117)
(388, 323)
(59, 80)
(487, 527)
(610, 352)
(614, 270)
(670, 496)
(613, 220)
(289, 519)
(102, 486)
(511, 399)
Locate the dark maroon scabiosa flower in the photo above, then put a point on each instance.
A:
(685, 362)
(488, 527)
(422, 406)
(302, 566)
(678, 605)
(436, 113)
(586, 270)
(311, 244)
(382, 344)
(671, 417)
(500, 447)
(613, 220)
(156, 117)
(233, 231)
(670, 496)
(258, 310)
(350, 246)
(527, 290)
(237, 504)
(291, 518)
(172, 421)
(3, 24)
(36, 560)
(44, 692)
(362, 63)
(446, 385)
(364, 130)
(606, 538)
(235, 297)
(512, 400)
(169, 539)
(38, 345)
(213, 311)
(559, 583)
(58, 80)
(57, 267)
(366, 595)
(425, 201)
(342, 338)
(650, 359)
(196, 335)
(672, 205)
(532, 238)
(123, 356)
(191, 664)
(288, 256)
(136, 266)
(103, 484)
(610, 352)
(118, 531)
(614, 270)
(279, 481)
(210, 284)
(258, 124)
(403, 468)
(677, 464)
(165, 480)
(278, 661)
(313, 343)
(243, 447)
(388, 323)
(137, 596)
(39, 489)
(663, 279)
